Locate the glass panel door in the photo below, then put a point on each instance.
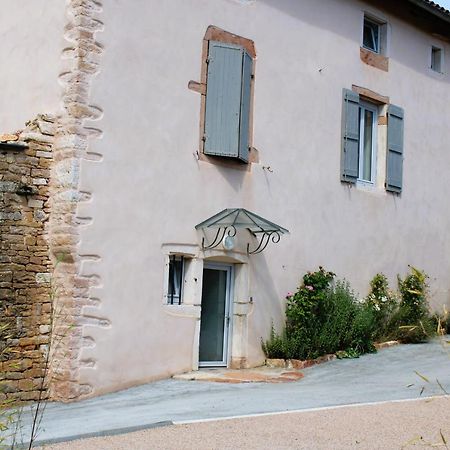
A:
(214, 320)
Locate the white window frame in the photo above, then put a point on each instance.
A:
(374, 109)
(177, 297)
(441, 58)
(378, 40)
(384, 32)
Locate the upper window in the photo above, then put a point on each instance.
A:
(359, 143)
(227, 94)
(436, 59)
(371, 35)
(227, 111)
(374, 45)
(368, 115)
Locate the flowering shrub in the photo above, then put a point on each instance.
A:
(306, 306)
(322, 318)
(382, 302)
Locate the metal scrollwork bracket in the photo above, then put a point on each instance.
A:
(266, 237)
(221, 232)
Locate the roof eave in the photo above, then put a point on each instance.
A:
(433, 9)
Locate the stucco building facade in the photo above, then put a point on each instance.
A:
(328, 120)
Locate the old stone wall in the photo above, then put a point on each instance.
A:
(75, 130)
(25, 265)
(40, 222)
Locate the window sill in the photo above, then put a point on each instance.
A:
(232, 163)
(435, 73)
(183, 310)
(370, 187)
(374, 59)
(365, 186)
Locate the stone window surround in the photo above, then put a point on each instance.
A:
(241, 305)
(214, 33)
(382, 102)
(378, 60)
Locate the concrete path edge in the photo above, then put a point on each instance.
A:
(114, 432)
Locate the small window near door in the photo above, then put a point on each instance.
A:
(176, 275)
(436, 59)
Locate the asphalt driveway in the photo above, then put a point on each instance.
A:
(396, 373)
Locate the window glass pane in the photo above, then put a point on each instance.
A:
(371, 35)
(175, 279)
(367, 146)
(436, 55)
(212, 324)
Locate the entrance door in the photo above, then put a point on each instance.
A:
(215, 316)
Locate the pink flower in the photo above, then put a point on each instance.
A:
(310, 288)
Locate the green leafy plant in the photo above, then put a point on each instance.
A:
(305, 312)
(412, 322)
(382, 302)
(275, 347)
(348, 325)
(322, 318)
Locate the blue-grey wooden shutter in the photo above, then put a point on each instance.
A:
(227, 101)
(394, 157)
(350, 137)
(245, 107)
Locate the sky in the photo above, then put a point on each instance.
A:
(444, 3)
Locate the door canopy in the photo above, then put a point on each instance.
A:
(228, 221)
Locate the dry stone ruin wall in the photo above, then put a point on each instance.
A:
(25, 265)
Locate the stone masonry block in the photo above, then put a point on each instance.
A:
(35, 203)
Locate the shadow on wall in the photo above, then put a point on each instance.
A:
(235, 177)
(309, 12)
(264, 292)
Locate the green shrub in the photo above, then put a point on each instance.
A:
(382, 302)
(443, 322)
(322, 319)
(275, 346)
(412, 322)
(306, 305)
(306, 313)
(349, 324)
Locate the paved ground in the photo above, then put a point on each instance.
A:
(257, 375)
(392, 374)
(404, 425)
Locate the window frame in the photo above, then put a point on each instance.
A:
(440, 52)
(371, 21)
(363, 106)
(233, 145)
(217, 34)
(388, 142)
(175, 298)
(378, 58)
